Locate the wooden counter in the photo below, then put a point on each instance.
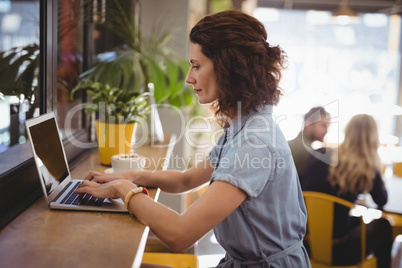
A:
(40, 237)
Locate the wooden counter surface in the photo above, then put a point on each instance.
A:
(40, 237)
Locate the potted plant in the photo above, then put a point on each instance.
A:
(118, 111)
(138, 63)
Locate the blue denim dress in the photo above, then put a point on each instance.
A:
(267, 229)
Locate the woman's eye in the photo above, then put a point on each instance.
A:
(195, 67)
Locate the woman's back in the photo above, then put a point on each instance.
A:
(316, 179)
(347, 171)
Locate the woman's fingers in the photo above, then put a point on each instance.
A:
(89, 184)
(99, 177)
(106, 190)
(86, 187)
(91, 175)
(104, 178)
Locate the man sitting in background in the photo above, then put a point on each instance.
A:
(315, 128)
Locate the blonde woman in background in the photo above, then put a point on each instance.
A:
(352, 169)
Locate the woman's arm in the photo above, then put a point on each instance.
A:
(173, 181)
(379, 192)
(178, 232)
(170, 181)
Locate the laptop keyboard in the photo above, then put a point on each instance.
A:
(75, 199)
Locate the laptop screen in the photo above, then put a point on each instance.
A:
(49, 153)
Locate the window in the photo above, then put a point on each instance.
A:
(348, 68)
(19, 45)
(48, 48)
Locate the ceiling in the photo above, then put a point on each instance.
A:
(360, 6)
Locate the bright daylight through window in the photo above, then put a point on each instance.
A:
(348, 68)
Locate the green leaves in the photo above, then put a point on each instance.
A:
(140, 62)
(120, 68)
(168, 77)
(158, 78)
(112, 103)
(19, 69)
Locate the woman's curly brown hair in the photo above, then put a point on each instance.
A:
(247, 68)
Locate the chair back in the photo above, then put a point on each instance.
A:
(398, 169)
(176, 260)
(320, 221)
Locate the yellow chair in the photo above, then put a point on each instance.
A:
(176, 260)
(398, 169)
(320, 221)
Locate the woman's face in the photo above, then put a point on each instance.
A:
(201, 75)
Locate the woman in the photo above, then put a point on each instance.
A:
(353, 169)
(254, 201)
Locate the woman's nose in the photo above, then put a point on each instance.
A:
(189, 79)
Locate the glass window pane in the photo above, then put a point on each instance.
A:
(19, 72)
(348, 68)
(19, 65)
(20, 92)
(69, 63)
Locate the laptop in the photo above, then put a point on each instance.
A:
(54, 173)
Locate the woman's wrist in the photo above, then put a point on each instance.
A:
(132, 192)
(137, 176)
(123, 187)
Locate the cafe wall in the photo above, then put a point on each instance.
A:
(170, 16)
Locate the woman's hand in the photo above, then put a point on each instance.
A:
(112, 189)
(104, 178)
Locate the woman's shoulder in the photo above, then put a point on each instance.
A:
(261, 128)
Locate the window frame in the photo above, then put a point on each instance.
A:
(20, 185)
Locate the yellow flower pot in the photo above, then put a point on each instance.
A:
(113, 139)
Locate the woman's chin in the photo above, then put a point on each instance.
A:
(206, 101)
